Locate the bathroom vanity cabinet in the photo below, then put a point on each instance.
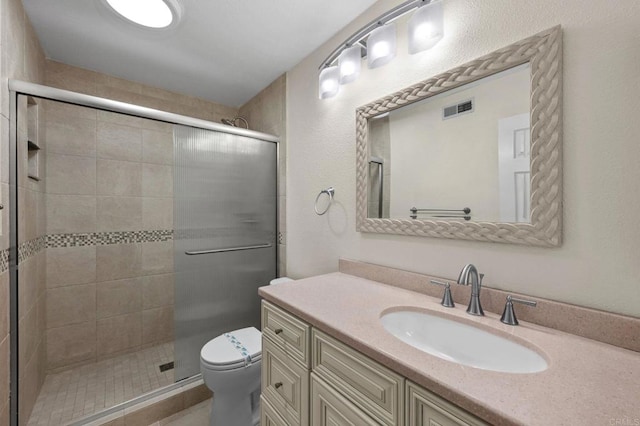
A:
(310, 378)
(286, 361)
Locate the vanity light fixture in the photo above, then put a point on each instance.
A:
(329, 82)
(155, 14)
(349, 63)
(381, 45)
(426, 27)
(377, 41)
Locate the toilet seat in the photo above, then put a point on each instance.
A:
(232, 350)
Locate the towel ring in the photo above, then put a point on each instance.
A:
(329, 191)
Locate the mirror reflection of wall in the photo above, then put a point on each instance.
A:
(443, 153)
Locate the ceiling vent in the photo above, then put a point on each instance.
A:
(457, 109)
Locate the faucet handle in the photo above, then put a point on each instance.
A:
(447, 300)
(509, 314)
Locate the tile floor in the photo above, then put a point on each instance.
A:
(88, 389)
(198, 415)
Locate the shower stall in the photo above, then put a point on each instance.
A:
(136, 237)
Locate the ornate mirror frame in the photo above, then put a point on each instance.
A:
(544, 53)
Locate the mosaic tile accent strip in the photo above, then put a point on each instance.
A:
(31, 248)
(108, 238)
(4, 260)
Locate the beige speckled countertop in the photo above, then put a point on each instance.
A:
(587, 382)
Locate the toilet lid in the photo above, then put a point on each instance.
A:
(233, 349)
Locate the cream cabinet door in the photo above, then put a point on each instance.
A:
(288, 332)
(372, 387)
(269, 416)
(424, 408)
(329, 408)
(285, 384)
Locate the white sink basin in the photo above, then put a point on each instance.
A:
(462, 343)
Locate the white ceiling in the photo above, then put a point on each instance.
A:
(225, 51)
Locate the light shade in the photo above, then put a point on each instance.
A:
(381, 46)
(148, 13)
(426, 27)
(329, 82)
(349, 63)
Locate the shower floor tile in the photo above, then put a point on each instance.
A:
(88, 389)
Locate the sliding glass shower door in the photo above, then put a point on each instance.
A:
(225, 206)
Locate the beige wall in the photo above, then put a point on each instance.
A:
(22, 58)
(266, 112)
(596, 264)
(107, 173)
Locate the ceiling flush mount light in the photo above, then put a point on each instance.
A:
(381, 46)
(426, 27)
(147, 13)
(378, 39)
(349, 63)
(329, 82)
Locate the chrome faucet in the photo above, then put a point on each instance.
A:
(475, 308)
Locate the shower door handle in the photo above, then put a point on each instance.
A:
(223, 250)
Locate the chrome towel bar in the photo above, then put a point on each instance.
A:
(223, 250)
(465, 210)
(442, 213)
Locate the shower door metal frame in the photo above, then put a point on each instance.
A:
(17, 88)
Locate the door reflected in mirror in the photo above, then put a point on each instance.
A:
(463, 154)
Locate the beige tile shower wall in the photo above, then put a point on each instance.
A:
(266, 112)
(94, 83)
(107, 172)
(31, 267)
(21, 58)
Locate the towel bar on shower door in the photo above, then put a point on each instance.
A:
(223, 250)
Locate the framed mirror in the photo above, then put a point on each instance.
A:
(473, 153)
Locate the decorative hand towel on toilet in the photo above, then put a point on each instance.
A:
(239, 346)
(233, 349)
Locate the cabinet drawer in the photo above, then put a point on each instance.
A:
(372, 387)
(424, 408)
(269, 416)
(287, 331)
(285, 384)
(329, 408)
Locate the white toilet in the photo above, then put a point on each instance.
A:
(231, 367)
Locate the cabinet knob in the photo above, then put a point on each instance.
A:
(278, 330)
(278, 385)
